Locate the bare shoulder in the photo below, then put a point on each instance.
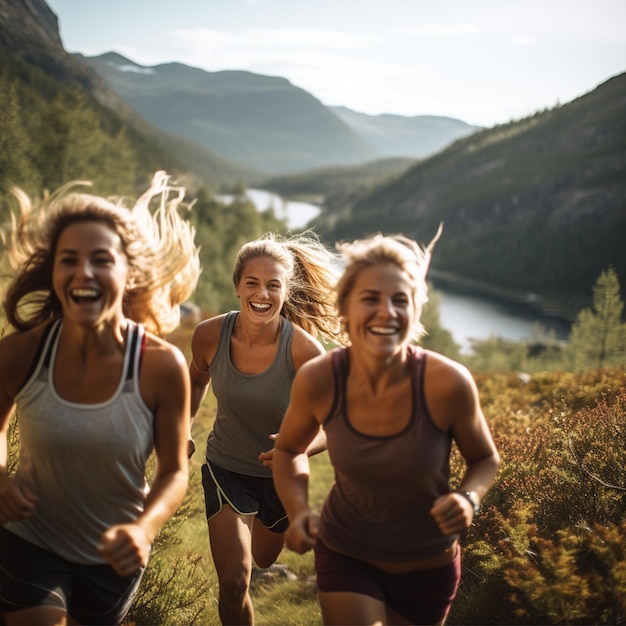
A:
(438, 365)
(162, 356)
(164, 373)
(204, 340)
(449, 389)
(209, 328)
(313, 389)
(316, 375)
(304, 347)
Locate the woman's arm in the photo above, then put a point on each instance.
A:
(17, 351)
(304, 347)
(126, 547)
(452, 397)
(203, 346)
(311, 396)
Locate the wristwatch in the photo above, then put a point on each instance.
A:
(472, 497)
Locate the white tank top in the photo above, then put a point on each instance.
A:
(85, 462)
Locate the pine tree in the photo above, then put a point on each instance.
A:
(598, 336)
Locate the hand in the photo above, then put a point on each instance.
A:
(16, 502)
(126, 548)
(191, 447)
(303, 532)
(453, 513)
(267, 458)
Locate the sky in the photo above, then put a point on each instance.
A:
(485, 62)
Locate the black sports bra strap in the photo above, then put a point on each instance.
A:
(133, 331)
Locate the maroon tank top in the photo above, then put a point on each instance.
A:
(378, 507)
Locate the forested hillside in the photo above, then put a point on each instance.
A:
(59, 120)
(335, 186)
(536, 206)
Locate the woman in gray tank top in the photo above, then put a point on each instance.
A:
(250, 358)
(386, 542)
(96, 390)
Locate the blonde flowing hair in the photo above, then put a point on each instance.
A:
(411, 257)
(312, 272)
(159, 244)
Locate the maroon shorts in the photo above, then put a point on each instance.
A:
(421, 596)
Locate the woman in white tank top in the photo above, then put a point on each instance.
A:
(95, 393)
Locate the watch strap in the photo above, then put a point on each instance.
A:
(472, 498)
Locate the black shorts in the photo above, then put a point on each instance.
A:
(31, 576)
(247, 495)
(421, 596)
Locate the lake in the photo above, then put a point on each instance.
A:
(297, 214)
(467, 317)
(472, 317)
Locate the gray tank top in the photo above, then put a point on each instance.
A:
(85, 462)
(378, 507)
(249, 407)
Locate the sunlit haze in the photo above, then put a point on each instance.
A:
(485, 62)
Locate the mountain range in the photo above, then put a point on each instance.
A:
(265, 122)
(29, 37)
(533, 209)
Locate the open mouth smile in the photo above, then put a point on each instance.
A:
(384, 330)
(85, 295)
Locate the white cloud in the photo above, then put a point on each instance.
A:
(440, 30)
(279, 39)
(525, 41)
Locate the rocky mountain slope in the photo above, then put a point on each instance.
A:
(29, 33)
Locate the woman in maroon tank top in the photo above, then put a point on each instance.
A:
(370, 405)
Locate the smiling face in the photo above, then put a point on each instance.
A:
(379, 309)
(90, 272)
(262, 288)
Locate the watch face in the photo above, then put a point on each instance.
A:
(473, 498)
(474, 501)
